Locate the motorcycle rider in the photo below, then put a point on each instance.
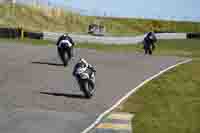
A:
(62, 47)
(148, 42)
(86, 67)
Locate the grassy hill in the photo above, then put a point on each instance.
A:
(37, 19)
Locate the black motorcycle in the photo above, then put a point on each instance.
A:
(65, 47)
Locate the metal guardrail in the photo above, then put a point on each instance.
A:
(112, 40)
(171, 36)
(19, 33)
(81, 38)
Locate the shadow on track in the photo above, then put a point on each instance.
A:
(64, 95)
(47, 63)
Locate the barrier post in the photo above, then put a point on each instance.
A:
(22, 33)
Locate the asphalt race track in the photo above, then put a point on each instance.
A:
(39, 95)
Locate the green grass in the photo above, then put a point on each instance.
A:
(171, 102)
(186, 48)
(37, 19)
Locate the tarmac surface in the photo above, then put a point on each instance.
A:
(39, 95)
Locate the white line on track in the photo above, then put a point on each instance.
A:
(130, 93)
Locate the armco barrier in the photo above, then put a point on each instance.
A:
(81, 38)
(193, 35)
(107, 40)
(19, 33)
(169, 36)
(33, 35)
(9, 32)
(52, 36)
(95, 39)
(112, 40)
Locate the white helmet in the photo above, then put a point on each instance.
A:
(82, 60)
(65, 34)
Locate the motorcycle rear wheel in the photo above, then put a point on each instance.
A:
(87, 89)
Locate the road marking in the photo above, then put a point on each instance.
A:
(114, 126)
(130, 93)
(115, 121)
(120, 116)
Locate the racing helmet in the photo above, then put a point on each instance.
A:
(83, 62)
(65, 34)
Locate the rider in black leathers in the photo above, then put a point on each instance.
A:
(62, 49)
(148, 42)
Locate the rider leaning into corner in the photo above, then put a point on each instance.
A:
(148, 42)
(65, 38)
(86, 67)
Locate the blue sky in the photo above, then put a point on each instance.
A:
(165, 9)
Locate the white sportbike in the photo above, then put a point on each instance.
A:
(86, 80)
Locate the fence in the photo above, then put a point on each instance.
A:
(81, 38)
(113, 40)
(9, 32)
(19, 33)
(193, 35)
